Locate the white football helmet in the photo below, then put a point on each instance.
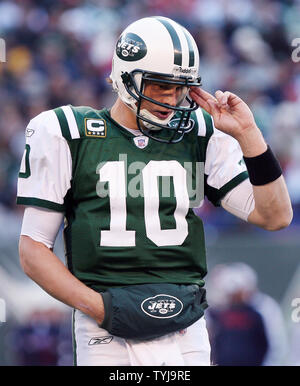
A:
(160, 50)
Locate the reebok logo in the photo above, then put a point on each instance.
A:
(100, 340)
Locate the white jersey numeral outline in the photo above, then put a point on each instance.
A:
(113, 172)
(117, 236)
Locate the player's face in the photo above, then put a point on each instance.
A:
(169, 94)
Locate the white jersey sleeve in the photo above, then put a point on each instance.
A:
(46, 167)
(224, 165)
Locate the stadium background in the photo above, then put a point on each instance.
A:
(59, 52)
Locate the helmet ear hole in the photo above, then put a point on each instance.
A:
(126, 78)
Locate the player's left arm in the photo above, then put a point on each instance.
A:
(231, 115)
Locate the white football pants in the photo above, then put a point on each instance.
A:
(94, 346)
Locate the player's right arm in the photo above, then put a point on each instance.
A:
(44, 180)
(48, 271)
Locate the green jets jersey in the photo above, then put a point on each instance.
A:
(128, 200)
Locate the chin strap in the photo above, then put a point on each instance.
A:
(146, 114)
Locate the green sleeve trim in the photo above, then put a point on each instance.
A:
(30, 201)
(64, 126)
(215, 195)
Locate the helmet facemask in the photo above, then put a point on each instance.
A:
(148, 123)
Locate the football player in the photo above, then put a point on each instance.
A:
(125, 180)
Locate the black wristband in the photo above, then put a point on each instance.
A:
(263, 168)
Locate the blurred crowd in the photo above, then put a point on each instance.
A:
(59, 52)
(44, 338)
(246, 326)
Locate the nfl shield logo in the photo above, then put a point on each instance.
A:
(141, 141)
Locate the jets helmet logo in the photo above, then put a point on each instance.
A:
(162, 306)
(131, 47)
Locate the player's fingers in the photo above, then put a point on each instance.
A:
(233, 99)
(200, 101)
(202, 93)
(214, 108)
(222, 97)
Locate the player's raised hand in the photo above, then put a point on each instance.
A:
(230, 113)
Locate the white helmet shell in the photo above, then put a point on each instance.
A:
(155, 44)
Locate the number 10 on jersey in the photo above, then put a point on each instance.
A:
(113, 172)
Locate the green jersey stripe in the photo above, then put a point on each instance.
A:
(175, 40)
(208, 124)
(204, 133)
(63, 122)
(69, 114)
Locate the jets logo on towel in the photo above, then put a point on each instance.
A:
(162, 306)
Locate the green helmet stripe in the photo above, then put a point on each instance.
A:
(175, 40)
(191, 49)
